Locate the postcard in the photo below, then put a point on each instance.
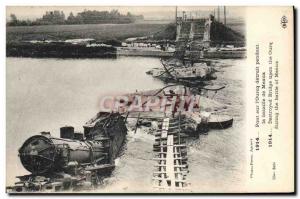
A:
(150, 99)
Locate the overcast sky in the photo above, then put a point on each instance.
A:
(149, 12)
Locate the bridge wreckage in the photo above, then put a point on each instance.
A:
(74, 160)
(77, 161)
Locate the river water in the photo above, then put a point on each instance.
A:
(45, 94)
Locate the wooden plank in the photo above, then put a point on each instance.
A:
(172, 168)
(165, 127)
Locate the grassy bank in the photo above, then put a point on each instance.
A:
(99, 32)
(58, 50)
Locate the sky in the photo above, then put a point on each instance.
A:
(149, 12)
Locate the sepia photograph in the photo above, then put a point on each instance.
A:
(148, 99)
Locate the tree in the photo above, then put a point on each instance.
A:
(13, 18)
(71, 16)
(85, 17)
(71, 19)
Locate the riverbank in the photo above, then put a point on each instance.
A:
(50, 41)
(99, 32)
(59, 50)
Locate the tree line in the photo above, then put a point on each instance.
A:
(85, 17)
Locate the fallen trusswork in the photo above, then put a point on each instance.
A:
(198, 71)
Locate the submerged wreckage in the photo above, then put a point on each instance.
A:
(197, 72)
(74, 160)
(198, 111)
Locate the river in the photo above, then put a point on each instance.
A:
(45, 94)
